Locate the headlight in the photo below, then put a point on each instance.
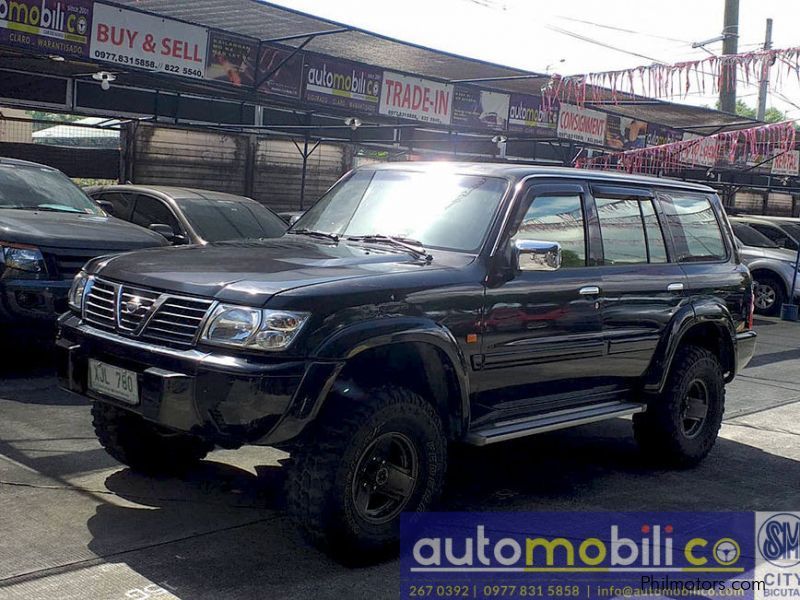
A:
(259, 329)
(77, 291)
(22, 258)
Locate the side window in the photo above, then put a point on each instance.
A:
(622, 229)
(775, 234)
(557, 219)
(149, 211)
(656, 249)
(122, 203)
(694, 227)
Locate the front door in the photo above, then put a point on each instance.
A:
(542, 340)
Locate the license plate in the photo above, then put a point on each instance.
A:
(109, 380)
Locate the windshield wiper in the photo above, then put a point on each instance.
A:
(413, 246)
(323, 234)
(47, 209)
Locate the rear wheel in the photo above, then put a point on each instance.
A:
(364, 464)
(145, 446)
(681, 424)
(769, 295)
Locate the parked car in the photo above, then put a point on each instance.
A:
(772, 267)
(785, 234)
(190, 216)
(48, 229)
(361, 341)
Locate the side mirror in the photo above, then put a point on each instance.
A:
(164, 230)
(106, 206)
(537, 256)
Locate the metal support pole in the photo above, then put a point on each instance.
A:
(730, 45)
(303, 176)
(763, 87)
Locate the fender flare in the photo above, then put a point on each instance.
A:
(701, 312)
(347, 343)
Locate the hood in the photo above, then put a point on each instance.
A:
(251, 272)
(74, 230)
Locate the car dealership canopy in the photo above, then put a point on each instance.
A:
(244, 65)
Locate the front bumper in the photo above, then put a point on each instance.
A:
(745, 348)
(231, 400)
(32, 301)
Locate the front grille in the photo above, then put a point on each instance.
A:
(68, 266)
(147, 314)
(65, 263)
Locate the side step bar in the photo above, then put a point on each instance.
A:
(562, 419)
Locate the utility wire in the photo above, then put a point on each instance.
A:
(623, 30)
(603, 44)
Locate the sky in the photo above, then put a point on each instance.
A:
(535, 34)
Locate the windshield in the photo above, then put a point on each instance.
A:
(217, 219)
(750, 237)
(29, 188)
(437, 208)
(793, 229)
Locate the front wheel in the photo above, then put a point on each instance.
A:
(681, 424)
(769, 295)
(364, 465)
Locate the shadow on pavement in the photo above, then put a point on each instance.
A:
(594, 468)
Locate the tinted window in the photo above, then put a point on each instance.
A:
(694, 228)
(781, 238)
(622, 228)
(557, 219)
(217, 219)
(31, 187)
(750, 237)
(150, 211)
(792, 229)
(655, 237)
(122, 203)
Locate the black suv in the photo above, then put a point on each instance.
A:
(412, 306)
(48, 229)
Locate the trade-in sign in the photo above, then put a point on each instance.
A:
(133, 39)
(415, 98)
(47, 26)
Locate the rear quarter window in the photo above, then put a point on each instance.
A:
(694, 227)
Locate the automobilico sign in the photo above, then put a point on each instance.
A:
(415, 98)
(582, 125)
(49, 26)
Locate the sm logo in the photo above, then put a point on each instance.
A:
(779, 540)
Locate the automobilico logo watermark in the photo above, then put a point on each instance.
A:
(778, 540)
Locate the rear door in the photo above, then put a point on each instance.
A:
(642, 287)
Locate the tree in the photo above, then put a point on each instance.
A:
(771, 115)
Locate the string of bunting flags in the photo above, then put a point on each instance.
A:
(738, 148)
(708, 76)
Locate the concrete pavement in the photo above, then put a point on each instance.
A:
(75, 524)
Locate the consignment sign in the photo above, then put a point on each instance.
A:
(140, 40)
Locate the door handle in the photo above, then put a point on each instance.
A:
(589, 290)
(675, 287)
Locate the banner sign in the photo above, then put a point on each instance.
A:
(591, 555)
(287, 79)
(59, 27)
(787, 163)
(658, 135)
(703, 153)
(528, 115)
(231, 59)
(342, 84)
(473, 107)
(582, 125)
(414, 98)
(624, 133)
(135, 39)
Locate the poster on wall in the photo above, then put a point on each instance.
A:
(414, 98)
(582, 125)
(528, 115)
(342, 84)
(658, 135)
(279, 72)
(55, 27)
(624, 133)
(787, 163)
(231, 59)
(135, 39)
(473, 107)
